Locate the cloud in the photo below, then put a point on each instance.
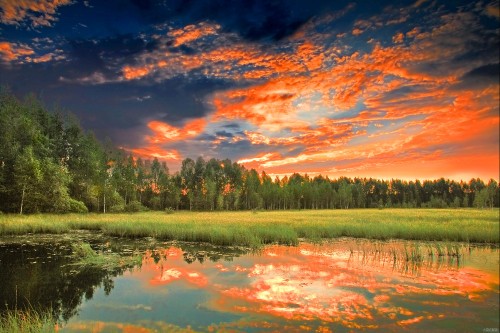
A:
(163, 134)
(262, 158)
(398, 38)
(13, 51)
(41, 50)
(492, 9)
(259, 20)
(155, 152)
(131, 73)
(94, 78)
(191, 33)
(441, 114)
(382, 87)
(37, 12)
(323, 87)
(56, 56)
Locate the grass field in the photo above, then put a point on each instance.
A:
(284, 227)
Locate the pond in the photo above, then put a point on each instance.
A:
(337, 286)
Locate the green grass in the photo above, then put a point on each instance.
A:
(284, 227)
(26, 322)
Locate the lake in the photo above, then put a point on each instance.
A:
(342, 285)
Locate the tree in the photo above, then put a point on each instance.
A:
(492, 197)
(28, 176)
(481, 198)
(187, 176)
(345, 195)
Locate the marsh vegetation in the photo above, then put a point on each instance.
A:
(263, 227)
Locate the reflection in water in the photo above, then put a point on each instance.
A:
(340, 286)
(43, 274)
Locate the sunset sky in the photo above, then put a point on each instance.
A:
(383, 89)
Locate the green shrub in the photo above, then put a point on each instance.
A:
(135, 206)
(169, 210)
(113, 198)
(155, 203)
(76, 206)
(117, 208)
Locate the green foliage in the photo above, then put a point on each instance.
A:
(83, 251)
(134, 207)
(169, 210)
(117, 208)
(481, 199)
(76, 206)
(46, 160)
(114, 201)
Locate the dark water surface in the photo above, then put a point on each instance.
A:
(339, 286)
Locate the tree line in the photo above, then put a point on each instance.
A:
(49, 164)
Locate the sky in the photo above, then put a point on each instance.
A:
(383, 89)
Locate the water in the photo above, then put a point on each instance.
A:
(339, 286)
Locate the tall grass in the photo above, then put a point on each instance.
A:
(284, 227)
(26, 322)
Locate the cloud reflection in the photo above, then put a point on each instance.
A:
(347, 284)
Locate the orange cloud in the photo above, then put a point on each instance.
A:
(40, 12)
(493, 10)
(155, 151)
(357, 31)
(332, 105)
(48, 57)
(164, 132)
(193, 32)
(13, 51)
(224, 61)
(261, 158)
(398, 38)
(311, 56)
(439, 115)
(131, 73)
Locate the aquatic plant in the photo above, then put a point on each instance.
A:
(86, 256)
(83, 250)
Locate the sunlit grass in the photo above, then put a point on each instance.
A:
(284, 227)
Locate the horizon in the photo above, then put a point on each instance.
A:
(343, 90)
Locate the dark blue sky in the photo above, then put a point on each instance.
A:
(332, 87)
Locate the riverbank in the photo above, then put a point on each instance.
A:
(253, 229)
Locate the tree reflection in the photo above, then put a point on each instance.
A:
(43, 277)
